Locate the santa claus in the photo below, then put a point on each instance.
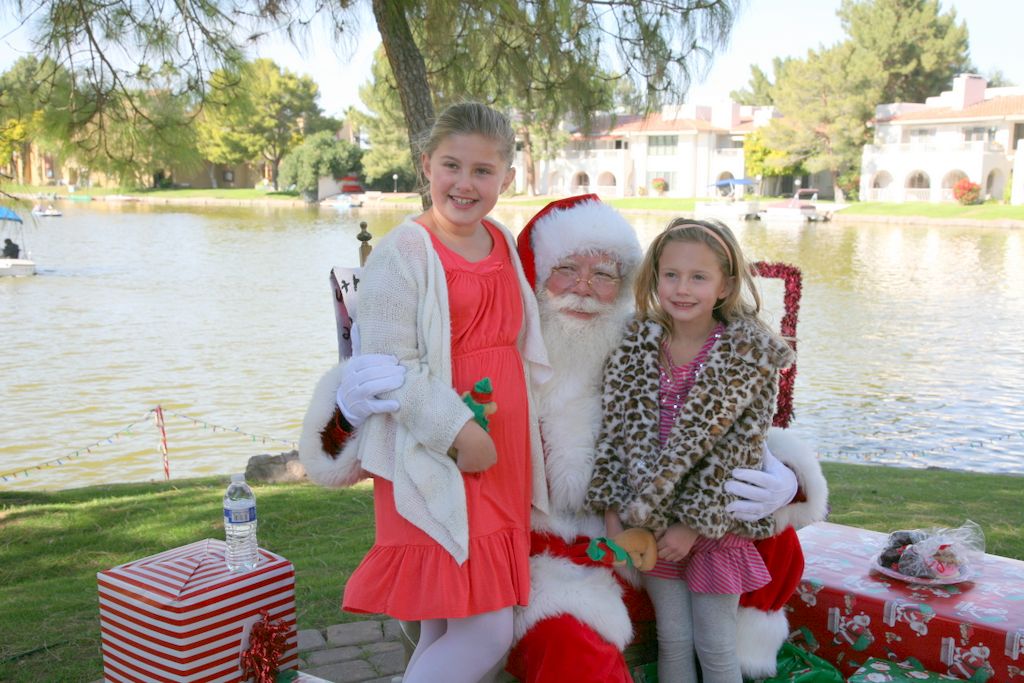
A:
(581, 611)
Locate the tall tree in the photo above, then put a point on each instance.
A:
(896, 50)
(389, 153)
(140, 142)
(221, 130)
(282, 104)
(825, 114)
(659, 44)
(911, 48)
(33, 98)
(760, 90)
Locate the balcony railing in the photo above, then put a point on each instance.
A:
(934, 147)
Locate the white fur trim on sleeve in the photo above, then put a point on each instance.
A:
(591, 594)
(321, 467)
(799, 457)
(759, 635)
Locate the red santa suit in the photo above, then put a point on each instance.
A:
(581, 612)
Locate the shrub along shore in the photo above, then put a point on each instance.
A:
(54, 542)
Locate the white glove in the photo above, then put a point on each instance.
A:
(764, 492)
(363, 378)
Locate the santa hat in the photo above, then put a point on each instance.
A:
(572, 225)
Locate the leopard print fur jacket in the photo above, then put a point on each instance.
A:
(722, 425)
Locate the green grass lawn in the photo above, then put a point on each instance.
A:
(52, 544)
(988, 211)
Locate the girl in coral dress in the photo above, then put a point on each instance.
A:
(446, 294)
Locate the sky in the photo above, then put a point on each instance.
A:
(764, 29)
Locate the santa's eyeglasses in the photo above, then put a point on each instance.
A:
(566, 277)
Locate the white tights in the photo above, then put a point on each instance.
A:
(460, 650)
(685, 620)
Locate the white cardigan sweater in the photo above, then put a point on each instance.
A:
(403, 310)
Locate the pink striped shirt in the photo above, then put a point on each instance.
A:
(730, 564)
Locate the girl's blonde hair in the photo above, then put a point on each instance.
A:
(723, 244)
(469, 118)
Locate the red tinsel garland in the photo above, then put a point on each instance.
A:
(791, 300)
(267, 642)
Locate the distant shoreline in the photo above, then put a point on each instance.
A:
(404, 201)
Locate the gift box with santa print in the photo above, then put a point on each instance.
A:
(848, 613)
(181, 616)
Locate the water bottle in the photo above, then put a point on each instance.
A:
(240, 525)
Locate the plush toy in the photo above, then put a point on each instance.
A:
(633, 546)
(480, 401)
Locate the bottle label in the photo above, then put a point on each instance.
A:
(240, 515)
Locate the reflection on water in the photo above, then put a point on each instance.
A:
(910, 338)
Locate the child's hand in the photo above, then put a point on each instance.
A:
(675, 542)
(612, 524)
(475, 450)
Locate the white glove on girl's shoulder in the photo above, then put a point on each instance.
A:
(761, 492)
(362, 380)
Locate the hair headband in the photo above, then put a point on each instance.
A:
(718, 238)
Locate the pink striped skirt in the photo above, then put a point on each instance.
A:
(730, 564)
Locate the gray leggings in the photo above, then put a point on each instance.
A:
(685, 620)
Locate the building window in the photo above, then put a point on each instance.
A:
(922, 134)
(662, 145)
(621, 144)
(229, 176)
(979, 134)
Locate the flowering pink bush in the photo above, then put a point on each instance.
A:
(659, 184)
(967, 192)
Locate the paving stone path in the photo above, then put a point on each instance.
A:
(357, 652)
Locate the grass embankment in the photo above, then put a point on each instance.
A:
(61, 191)
(947, 210)
(950, 211)
(53, 543)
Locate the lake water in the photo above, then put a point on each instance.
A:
(911, 338)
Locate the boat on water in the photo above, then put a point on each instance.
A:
(343, 201)
(11, 262)
(800, 208)
(733, 204)
(49, 211)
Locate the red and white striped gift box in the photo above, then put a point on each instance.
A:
(180, 616)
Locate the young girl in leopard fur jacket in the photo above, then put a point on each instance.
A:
(689, 395)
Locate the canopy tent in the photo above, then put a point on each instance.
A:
(8, 215)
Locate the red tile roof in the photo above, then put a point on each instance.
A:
(997, 107)
(655, 123)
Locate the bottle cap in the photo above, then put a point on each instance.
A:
(238, 477)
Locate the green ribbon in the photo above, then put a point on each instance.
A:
(597, 553)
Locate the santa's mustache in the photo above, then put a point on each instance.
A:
(580, 304)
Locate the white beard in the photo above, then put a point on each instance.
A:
(569, 403)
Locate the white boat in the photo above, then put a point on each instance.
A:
(343, 201)
(48, 212)
(11, 263)
(729, 209)
(732, 204)
(798, 209)
(17, 267)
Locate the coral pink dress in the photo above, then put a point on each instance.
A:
(406, 574)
